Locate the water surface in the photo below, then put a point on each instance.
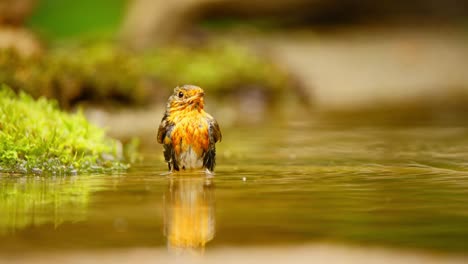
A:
(285, 185)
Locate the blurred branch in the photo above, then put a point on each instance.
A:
(151, 22)
(156, 21)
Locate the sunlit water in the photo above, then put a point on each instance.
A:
(286, 185)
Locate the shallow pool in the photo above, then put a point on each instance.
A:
(284, 185)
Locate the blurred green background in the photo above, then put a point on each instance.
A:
(57, 19)
(340, 61)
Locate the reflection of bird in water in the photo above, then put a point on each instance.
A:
(187, 132)
(189, 213)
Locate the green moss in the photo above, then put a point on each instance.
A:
(99, 71)
(217, 67)
(36, 137)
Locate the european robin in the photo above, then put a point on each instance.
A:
(187, 132)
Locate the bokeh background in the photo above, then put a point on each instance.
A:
(343, 62)
(344, 126)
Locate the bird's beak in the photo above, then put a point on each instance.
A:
(197, 97)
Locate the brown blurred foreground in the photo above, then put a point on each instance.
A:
(319, 253)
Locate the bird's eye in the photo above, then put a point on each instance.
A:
(181, 94)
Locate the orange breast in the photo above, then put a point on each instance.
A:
(190, 131)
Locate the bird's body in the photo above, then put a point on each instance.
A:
(187, 132)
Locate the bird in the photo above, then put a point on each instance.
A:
(187, 132)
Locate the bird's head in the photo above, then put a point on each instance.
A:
(186, 97)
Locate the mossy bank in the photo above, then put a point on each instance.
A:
(100, 72)
(36, 137)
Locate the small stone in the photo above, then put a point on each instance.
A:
(107, 157)
(36, 171)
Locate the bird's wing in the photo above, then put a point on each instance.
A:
(163, 128)
(214, 130)
(209, 158)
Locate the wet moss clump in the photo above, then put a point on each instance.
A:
(36, 137)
